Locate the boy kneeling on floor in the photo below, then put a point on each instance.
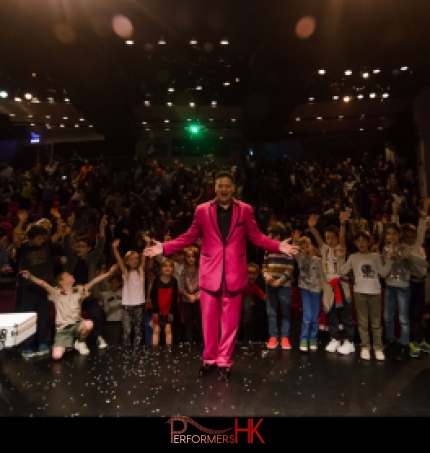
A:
(70, 328)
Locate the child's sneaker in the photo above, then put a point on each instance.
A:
(346, 348)
(272, 343)
(313, 346)
(303, 346)
(424, 347)
(414, 350)
(379, 356)
(365, 354)
(43, 349)
(332, 346)
(82, 347)
(27, 354)
(285, 343)
(101, 343)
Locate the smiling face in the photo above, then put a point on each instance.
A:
(224, 190)
(66, 279)
(132, 259)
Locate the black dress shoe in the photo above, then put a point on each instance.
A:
(206, 369)
(225, 373)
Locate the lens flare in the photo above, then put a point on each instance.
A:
(122, 26)
(305, 27)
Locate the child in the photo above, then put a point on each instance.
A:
(82, 262)
(133, 293)
(189, 290)
(71, 329)
(164, 298)
(310, 282)
(413, 238)
(150, 274)
(278, 272)
(254, 315)
(112, 306)
(336, 300)
(367, 268)
(398, 291)
(39, 254)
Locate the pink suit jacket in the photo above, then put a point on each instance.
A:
(219, 260)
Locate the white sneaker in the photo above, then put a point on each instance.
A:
(346, 348)
(365, 354)
(82, 347)
(332, 346)
(379, 355)
(101, 343)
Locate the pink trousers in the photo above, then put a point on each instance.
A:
(221, 313)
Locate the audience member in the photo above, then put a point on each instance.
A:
(254, 312)
(71, 329)
(132, 267)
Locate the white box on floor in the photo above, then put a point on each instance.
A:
(17, 327)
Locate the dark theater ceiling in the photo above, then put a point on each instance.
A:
(121, 69)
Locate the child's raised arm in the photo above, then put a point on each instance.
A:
(312, 222)
(100, 277)
(117, 256)
(37, 281)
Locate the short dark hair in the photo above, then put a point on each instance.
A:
(85, 238)
(254, 265)
(224, 174)
(332, 229)
(363, 234)
(278, 229)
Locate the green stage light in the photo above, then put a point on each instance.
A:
(194, 128)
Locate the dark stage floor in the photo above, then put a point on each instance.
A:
(163, 381)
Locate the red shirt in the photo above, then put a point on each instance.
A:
(252, 289)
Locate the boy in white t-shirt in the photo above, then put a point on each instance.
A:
(367, 268)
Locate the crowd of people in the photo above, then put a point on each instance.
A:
(359, 228)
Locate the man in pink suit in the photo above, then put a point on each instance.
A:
(223, 224)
